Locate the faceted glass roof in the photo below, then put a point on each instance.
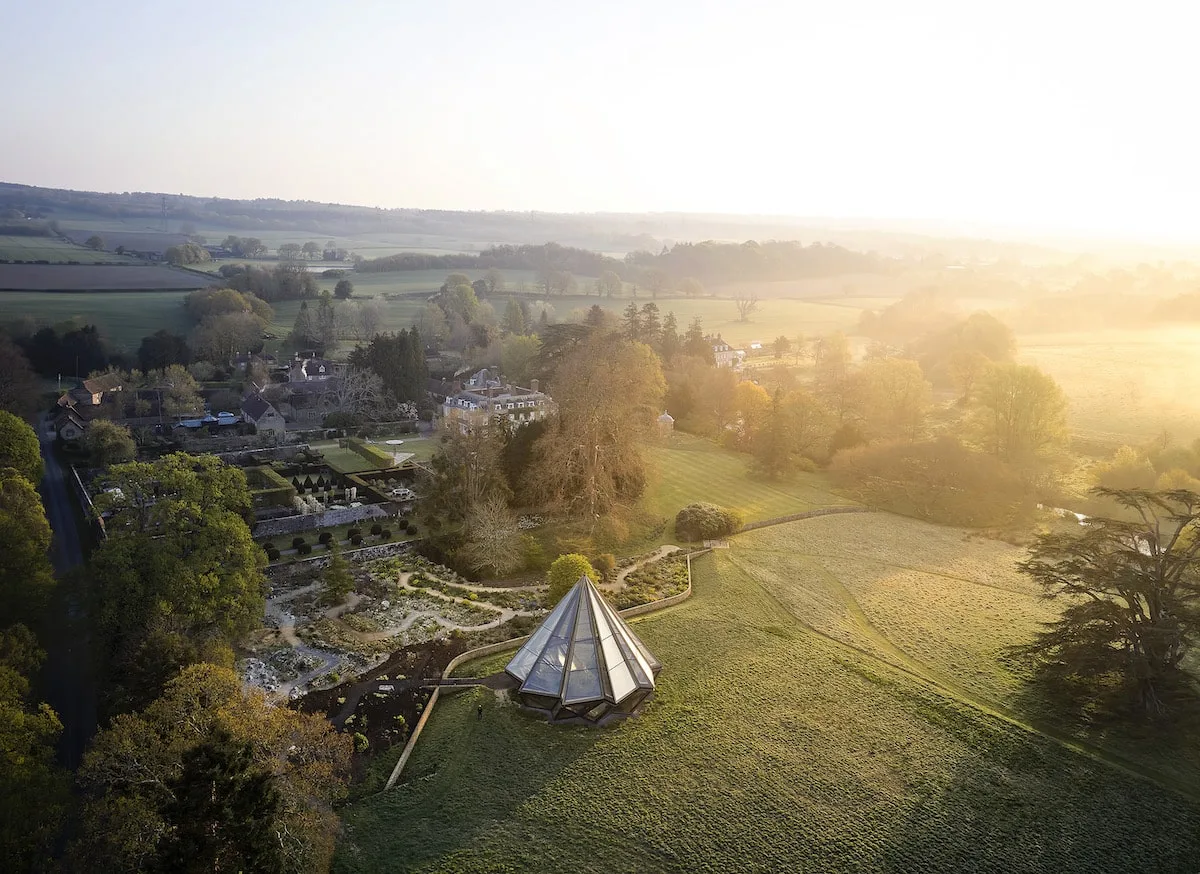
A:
(584, 655)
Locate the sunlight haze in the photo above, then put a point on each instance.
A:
(1060, 116)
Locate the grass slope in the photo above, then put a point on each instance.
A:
(123, 317)
(772, 747)
(55, 250)
(687, 469)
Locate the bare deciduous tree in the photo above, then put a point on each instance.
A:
(746, 303)
(492, 537)
(359, 392)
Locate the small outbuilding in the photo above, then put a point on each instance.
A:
(584, 661)
(666, 423)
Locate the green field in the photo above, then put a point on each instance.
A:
(56, 251)
(1124, 386)
(687, 469)
(348, 461)
(808, 718)
(123, 316)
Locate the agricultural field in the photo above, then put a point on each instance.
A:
(686, 469)
(95, 278)
(1124, 386)
(124, 317)
(800, 725)
(55, 251)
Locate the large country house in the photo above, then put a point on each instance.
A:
(485, 399)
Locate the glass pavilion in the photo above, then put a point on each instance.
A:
(584, 660)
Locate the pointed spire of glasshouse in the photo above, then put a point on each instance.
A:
(584, 660)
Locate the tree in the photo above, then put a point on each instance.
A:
(162, 349)
(669, 343)
(1132, 592)
(108, 443)
(19, 388)
(326, 322)
(304, 329)
(466, 472)
(219, 338)
(782, 345)
(289, 251)
(145, 808)
(896, 397)
(179, 389)
(188, 253)
(399, 359)
(339, 582)
(494, 280)
(223, 807)
(359, 393)
(95, 241)
(517, 356)
(833, 378)
(344, 289)
(565, 572)
(966, 368)
(33, 790)
(691, 287)
(514, 317)
(26, 578)
(696, 344)
(311, 250)
(746, 303)
(492, 539)
(609, 393)
(609, 284)
(657, 281)
(651, 326)
(1022, 414)
(453, 281)
(433, 324)
(460, 300)
(19, 448)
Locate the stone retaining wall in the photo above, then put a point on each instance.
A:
(287, 525)
(795, 517)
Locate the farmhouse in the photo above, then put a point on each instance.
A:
(486, 398)
(584, 661)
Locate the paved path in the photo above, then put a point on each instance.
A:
(67, 676)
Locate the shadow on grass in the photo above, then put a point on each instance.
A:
(467, 775)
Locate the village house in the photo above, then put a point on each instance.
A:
(259, 412)
(486, 398)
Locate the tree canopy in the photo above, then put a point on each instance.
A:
(19, 447)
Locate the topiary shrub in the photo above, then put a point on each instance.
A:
(297, 542)
(361, 744)
(354, 532)
(266, 544)
(272, 554)
(412, 529)
(376, 529)
(304, 548)
(325, 537)
(404, 524)
(385, 534)
(356, 540)
(565, 572)
(706, 522)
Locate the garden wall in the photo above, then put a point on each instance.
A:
(810, 514)
(327, 519)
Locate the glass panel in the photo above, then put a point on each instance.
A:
(622, 680)
(583, 620)
(612, 653)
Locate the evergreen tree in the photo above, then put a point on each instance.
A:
(669, 343)
(631, 322)
(694, 342)
(651, 325)
(514, 317)
(223, 810)
(338, 580)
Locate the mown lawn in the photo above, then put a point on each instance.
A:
(686, 469)
(770, 747)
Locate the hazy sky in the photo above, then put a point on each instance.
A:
(1051, 114)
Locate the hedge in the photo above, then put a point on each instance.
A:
(371, 454)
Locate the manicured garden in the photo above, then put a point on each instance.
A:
(808, 718)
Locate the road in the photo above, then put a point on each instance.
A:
(68, 682)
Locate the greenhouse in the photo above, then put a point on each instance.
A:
(584, 661)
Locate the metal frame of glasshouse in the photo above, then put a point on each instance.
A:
(584, 661)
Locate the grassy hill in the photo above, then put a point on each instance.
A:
(808, 718)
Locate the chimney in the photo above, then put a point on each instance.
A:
(533, 385)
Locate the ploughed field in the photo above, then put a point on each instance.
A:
(96, 277)
(832, 700)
